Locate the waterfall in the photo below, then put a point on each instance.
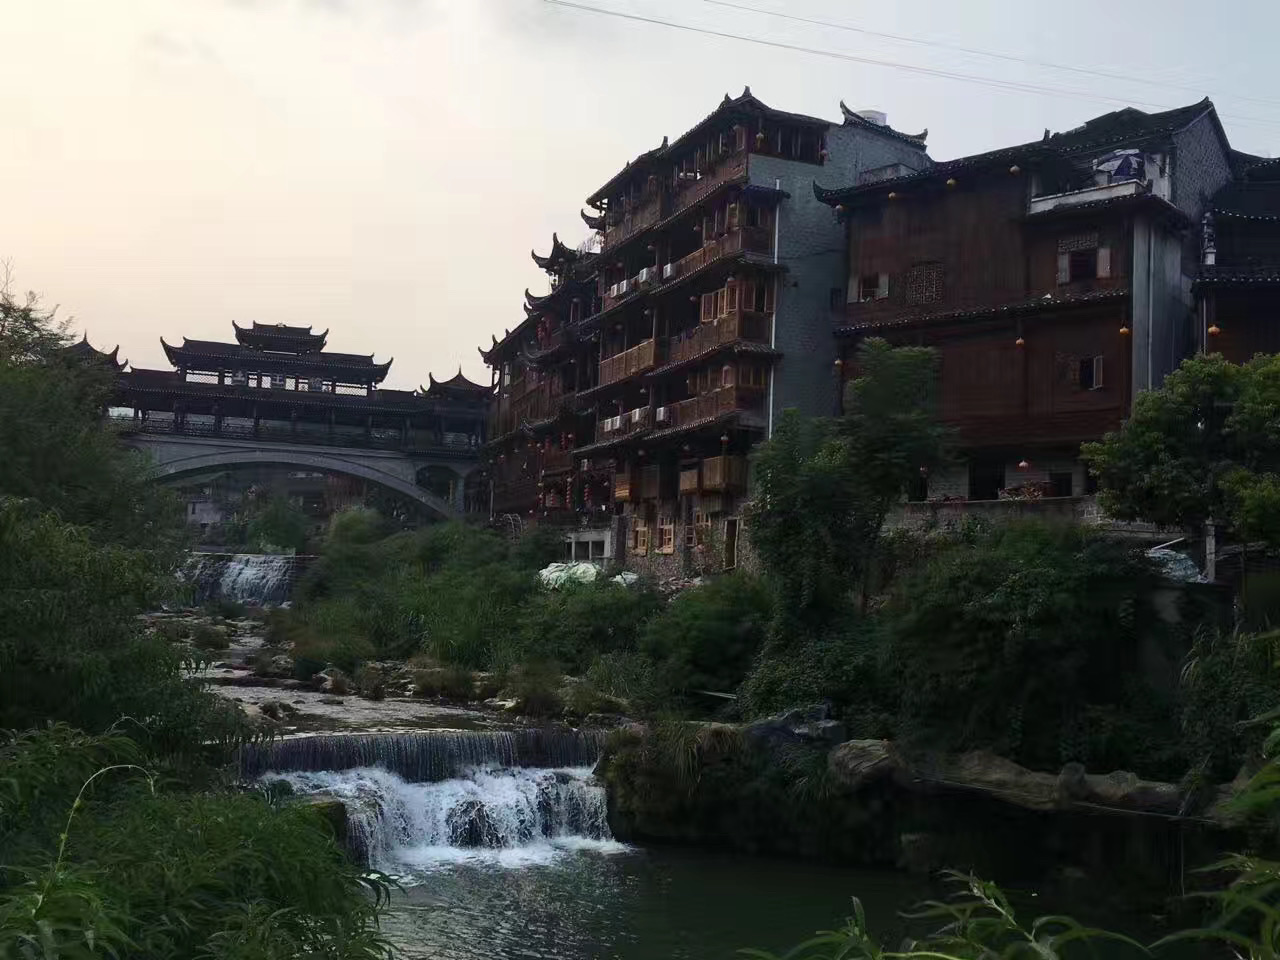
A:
(257, 579)
(429, 756)
(510, 816)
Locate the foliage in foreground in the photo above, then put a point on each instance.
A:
(110, 861)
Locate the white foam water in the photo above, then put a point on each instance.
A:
(259, 579)
(507, 816)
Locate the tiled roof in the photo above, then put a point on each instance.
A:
(1128, 125)
(1032, 306)
(231, 353)
(1143, 199)
(746, 103)
(731, 346)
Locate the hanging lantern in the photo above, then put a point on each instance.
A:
(951, 181)
(1023, 465)
(840, 208)
(1214, 330)
(1020, 342)
(1015, 169)
(893, 194)
(1124, 329)
(760, 139)
(839, 363)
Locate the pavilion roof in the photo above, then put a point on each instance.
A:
(83, 350)
(279, 336)
(213, 355)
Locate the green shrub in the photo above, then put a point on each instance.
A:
(1017, 641)
(170, 631)
(207, 637)
(454, 683)
(578, 622)
(706, 637)
(371, 682)
(536, 687)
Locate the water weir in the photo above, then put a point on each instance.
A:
(418, 800)
(428, 756)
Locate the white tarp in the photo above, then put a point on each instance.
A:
(556, 575)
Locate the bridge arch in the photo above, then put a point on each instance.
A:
(173, 470)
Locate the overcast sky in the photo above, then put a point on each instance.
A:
(382, 167)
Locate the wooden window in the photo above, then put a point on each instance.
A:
(639, 534)
(873, 286)
(708, 307)
(726, 375)
(1082, 265)
(1104, 262)
(1090, 373)
(924, 283)
(741, 136)
(731, 297)
(734, 211)
(666, 534)
(768, 295)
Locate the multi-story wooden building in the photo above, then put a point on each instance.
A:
(1238, 290)
(1053, 277)
(635, 389)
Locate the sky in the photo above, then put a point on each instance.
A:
(382, 168)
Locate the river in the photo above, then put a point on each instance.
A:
(501, 846)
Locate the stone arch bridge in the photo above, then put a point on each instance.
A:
(177, 457)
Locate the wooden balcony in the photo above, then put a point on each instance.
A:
(628, 363)
(750, 239)
(739, 325)
(690, 478)
(620, 425)
(557, 460)
(714, 404)
(645, 215)
(623, 488)
(726, 473)
(692, 192)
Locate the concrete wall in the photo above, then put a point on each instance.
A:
(812, 247)
(1160, 302)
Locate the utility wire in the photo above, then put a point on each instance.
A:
(891, 64)
(1085, 71)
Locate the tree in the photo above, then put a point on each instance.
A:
(824, 487)
(1206, 445)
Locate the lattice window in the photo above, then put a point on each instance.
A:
(924, 283)
(666, 534)
(640, 535)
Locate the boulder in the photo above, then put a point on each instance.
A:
(277, 709)
(811, 724)
(856, 763)
(331, 680)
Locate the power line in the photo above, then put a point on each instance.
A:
(891, 64)
(901, 38)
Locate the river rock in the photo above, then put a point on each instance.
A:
(277, 709)
(811, 724)
(331, 680)
(279, 667)
(471, 826)
(856, 763)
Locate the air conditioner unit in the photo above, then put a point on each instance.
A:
(613, 290)
(624, 287)
(662, 415)
(668, 271)
(637, 414)
(645, 275)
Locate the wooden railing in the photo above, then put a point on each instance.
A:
(724, 473)
(695, 191)
(623, 489)
(620, 425)
(644, 216)
(639, 358)
(557, 460)
(714, 404)
(739, 325)
(751, 239)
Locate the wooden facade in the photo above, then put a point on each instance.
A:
(636, 387)
(1238, 290)
(1048, 276)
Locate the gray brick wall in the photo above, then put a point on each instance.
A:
(812, 246)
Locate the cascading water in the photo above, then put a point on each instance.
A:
(510, 816)
(257, 579)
